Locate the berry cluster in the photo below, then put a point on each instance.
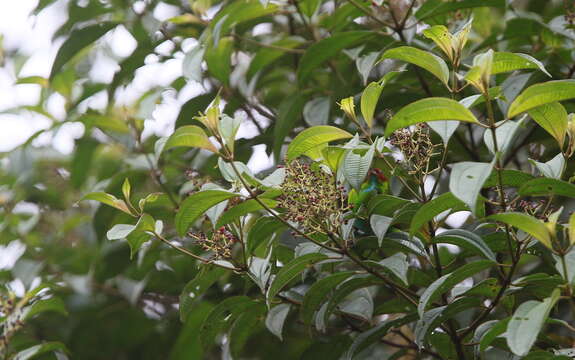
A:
(220, 244)
(312, 198)
(416, 146)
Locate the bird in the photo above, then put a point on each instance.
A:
(376, 183)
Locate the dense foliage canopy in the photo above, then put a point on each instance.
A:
(419, 206)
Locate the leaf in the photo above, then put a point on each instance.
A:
(547, 186)
(190, 136)
(488, 331)
(365, 64)
(243, 209)
(316, 111)
(327, 48)
(219, 59)
(309, 7)
(466, 240)
(553, 118)
(221, 317)
(512, 178)
(245, 326)
(313, 137)
(526, 223)
(290, 271)
(40, 349)
(267, 56)
(541, 94)
(344, 289)
(369, 99)
(424, 59)
(192, 63)
(196, 205)
(141, 233)
(196, 287)
(441, 37)
(397, 265)
(379, 225)
(445, 129)
(505, 134)
(448, 281)
(467, 179)
(356, 166)
(552, 168)
(289, 114)
(526, 323)
(187, 345)
(375, 334)
(78, 40)
(108, 199)
(506, 62)
(431, 209)
(276, 318)
(572, 229)
(429, 109)
(437, 7)
(53, 304)
(237, 13)
(262, 230)
(318, 293)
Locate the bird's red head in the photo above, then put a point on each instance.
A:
(378, 173)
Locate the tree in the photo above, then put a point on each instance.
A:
(385, 119)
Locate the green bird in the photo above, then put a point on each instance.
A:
(376, 183)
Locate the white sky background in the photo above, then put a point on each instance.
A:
(32, 37)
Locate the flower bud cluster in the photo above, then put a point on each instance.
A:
(416, 147)
(220, 244)
(312, 198)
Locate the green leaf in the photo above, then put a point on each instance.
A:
(541, 94)
(513, 178)
(431, 209)
(437, 7)
(429, 109)
(53, 304)
(448, 281)
(506, 62)
(243, 209)
(309, 7)
(141, 233)
(397, 265)
(467, 179)
(187, 345)
(487, 332)
(190, 136)
(78, 40)
(506, 134)
(33, 351)
(316, 111)
(192, 63)
(547, 186)
(219, 59)
(246, 325)
(424, 59)
(108, 199)
(526, 323)
(276, 318)
(318, 293)
(327, 48)
(264, 229)
(195, 288)
(82, 160)
(289, 115)
(526, 223)
(237, 13)
(344, 289)
(313, 137)
(222, 316)
(356, 166)
(552, 168)
(369, 99)
(466, 240)
(267, 56)
(290, 271)
(380, 224)
(375, 334)
(196, 205)
(553, 118)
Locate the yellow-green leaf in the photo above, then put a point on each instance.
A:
(424, 59)
(553, 118)
(430, 109)
(190, 136)
(541, 94)
(526, 223)
(369, 100)
(314, 136)
(441, 37)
